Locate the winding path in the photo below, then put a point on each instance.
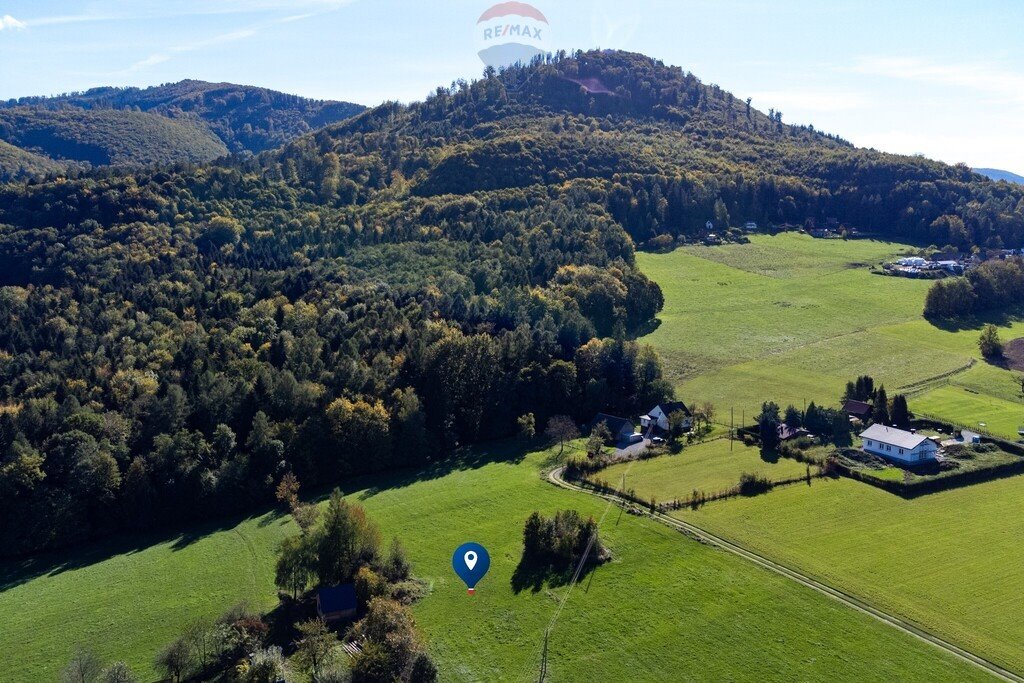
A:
(555, 477)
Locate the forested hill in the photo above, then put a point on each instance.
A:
(172, 342)
(245, 118)
(102, 137)
(17, 163)
(661, 150)
(385, 290)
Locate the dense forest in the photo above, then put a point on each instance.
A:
(16, 163)
(387, 289)
(110, 136)
(245, 118)
(661, 151)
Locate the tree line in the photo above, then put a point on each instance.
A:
(173, 343)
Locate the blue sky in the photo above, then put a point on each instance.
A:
(941, 78)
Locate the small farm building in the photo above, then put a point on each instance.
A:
(619, 427)
(335, 603)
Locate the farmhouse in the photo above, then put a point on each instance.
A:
(335, 603)
(787, 433)
(619, 427)
(857, 409)
(658, 416)
(896, 444)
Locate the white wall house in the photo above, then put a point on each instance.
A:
(658, 416)
(899, 445)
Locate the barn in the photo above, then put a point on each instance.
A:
(619, 428)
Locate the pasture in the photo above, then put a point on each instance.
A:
(709, 467)
(950, 561)
(791, 319)
(665, 608)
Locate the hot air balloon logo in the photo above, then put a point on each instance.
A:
(511, 33)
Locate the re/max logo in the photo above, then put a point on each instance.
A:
(512, 30)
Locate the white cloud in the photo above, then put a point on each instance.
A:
(985, 77)
(9, 22)
(228, 37)
(145, 9)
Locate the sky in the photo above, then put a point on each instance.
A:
(940, 78)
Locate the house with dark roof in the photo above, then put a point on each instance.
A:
(858, 409)
(658, 416)
(335, 603)
(619, 427)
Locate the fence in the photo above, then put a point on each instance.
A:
(925, 486)
(694, 500)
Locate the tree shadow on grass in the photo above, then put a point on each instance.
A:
(534, 576)
(644, 329)
(978, 321)
(15, 572)
(467, 458)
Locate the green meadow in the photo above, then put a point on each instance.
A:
(665, 608)
(791, 319)
(711, 467)
(951, 562)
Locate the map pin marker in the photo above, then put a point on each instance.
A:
(471, 561)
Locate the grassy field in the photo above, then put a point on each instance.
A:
(950, 561)
(665, 608)
(710, 467)
(794, 318)
(128, 602)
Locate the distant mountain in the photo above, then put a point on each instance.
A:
(996, 174)
(104, 137)
(245, 118)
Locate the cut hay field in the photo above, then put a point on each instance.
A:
(792, 319)
(666, 607)
(952, 561)
(709, 467)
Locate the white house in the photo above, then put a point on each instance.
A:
(658, 416)
(896, 444)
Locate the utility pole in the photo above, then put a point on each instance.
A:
(732, 425)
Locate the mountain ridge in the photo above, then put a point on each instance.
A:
(165, 124)
(998, 174)
(650, 124)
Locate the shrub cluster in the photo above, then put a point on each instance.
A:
(562, 540)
